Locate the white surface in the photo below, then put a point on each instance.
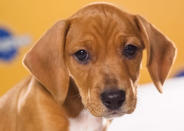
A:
(156, 112)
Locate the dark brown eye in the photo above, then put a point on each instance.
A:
(129, 51)
(82, 56)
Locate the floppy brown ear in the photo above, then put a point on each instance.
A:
(160, 51)
(46, 61)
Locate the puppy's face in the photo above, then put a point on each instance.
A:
(100, 47)
(103, 54)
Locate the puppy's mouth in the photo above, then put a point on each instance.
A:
(118, 113)
(114, 114)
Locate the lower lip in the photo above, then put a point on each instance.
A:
(114, 114)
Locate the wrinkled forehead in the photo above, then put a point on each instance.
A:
(101, 22)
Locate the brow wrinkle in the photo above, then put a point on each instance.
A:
(105, 31)
(107, 27)
(97, 30)
(110, 28)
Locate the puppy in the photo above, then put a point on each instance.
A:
(85, 68)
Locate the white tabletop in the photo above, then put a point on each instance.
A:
(156, 112)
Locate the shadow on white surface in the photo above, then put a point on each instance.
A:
(155, 111)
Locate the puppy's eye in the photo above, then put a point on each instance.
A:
(82, 56)
(129, 51)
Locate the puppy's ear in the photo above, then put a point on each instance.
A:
(46, 61)
(160, 51)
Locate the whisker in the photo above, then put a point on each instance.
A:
(89, 95)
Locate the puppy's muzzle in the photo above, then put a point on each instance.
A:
(113, 99)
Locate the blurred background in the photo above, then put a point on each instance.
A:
(22, 22)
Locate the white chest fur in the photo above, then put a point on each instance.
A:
(85, 122)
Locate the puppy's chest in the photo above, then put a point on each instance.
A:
(85, 122)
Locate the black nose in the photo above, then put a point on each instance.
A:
(113, 99)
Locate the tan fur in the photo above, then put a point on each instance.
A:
(60, 87)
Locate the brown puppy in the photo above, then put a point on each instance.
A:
(90, 61)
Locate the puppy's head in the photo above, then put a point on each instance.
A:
(100, 48)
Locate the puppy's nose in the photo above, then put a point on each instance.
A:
(113, 99)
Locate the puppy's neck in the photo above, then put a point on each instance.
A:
(73, 104)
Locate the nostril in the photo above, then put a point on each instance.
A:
(113, 99)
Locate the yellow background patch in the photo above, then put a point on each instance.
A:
(34, 17)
